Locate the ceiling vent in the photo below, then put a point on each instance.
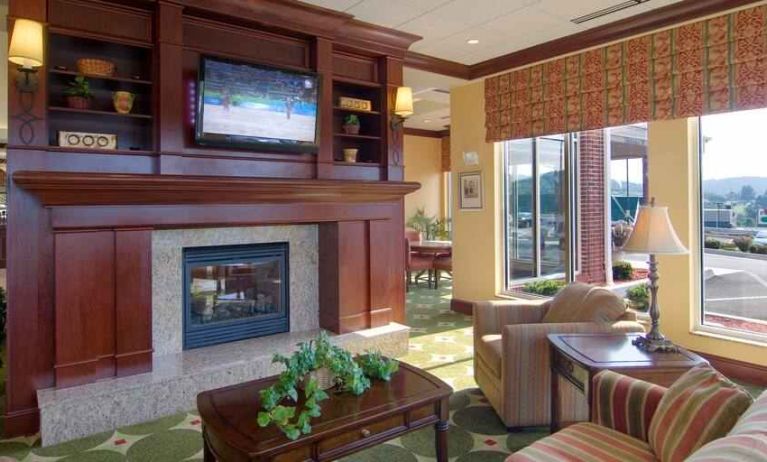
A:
(606, 11)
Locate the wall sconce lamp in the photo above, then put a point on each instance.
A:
(403, 107)
(26, 50)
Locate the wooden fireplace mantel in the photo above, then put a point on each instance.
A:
(66, 188)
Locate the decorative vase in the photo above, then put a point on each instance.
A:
(324, 377)
(78, 102)
(350, 155)
(352, 129)
(123, 101)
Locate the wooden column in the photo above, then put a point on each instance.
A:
(391, 75)
(171, 87)
(323, 64)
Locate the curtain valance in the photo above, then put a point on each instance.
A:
(713, 65)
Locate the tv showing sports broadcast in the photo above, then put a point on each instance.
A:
(243, 104)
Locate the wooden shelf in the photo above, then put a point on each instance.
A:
(361, 83)
(97, 112)
(357, 164)
(101, 77)
(135, 152)
(357, 137)
(356, 111)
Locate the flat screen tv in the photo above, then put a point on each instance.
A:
(248, 105)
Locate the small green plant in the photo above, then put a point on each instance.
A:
(351, 119)
(622, 271)
(743, 243)
(546, 287)
(430, 227)
(79, 87)
(279, 401)
(759, 249)
(639, 296)
(711, 243)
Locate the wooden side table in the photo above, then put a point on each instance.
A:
(577, 358)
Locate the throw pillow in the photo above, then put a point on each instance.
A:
(701, 406)
(584, 303)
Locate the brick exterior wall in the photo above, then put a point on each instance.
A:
(591, 171)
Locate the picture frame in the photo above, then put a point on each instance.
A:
(470, 187)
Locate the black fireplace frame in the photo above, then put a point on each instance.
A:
(198, 336)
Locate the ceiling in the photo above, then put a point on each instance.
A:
(501, 26)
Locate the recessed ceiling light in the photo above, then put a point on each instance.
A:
(427, 121)
(472, 41)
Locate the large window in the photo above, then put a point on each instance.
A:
(538, 209)
(734, 222)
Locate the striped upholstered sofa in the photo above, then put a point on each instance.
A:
(621, 429)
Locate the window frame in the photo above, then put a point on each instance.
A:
(699, 285)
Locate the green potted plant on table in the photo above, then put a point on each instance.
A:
(316, 366)
(78, 93)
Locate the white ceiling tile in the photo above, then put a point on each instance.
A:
(338, 5)
(392, 13)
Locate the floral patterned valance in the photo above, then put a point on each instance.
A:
(714, 65)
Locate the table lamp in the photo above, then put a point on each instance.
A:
(653, 234)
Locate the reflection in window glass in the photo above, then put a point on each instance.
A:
(734, 220)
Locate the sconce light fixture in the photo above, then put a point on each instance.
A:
(403, 107)
(26, 51)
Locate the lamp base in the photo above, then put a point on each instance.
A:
(652, 345)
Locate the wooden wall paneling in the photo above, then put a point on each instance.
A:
(133, 301)
(174, 91)
(214, 165)
(397, 261)
(101, 18)
(30, 9)
(219, 38)
(355, 67)
(322, 57)
(391, 74)
(329, 285)
(27, 124)
(382, 273)
(85, 307)
(30, 345)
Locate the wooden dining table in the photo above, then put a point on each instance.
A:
(432, 247)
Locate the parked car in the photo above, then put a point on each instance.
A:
(761, 237)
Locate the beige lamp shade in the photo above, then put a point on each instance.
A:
(654, 234)
(403, 105)
(26, 48)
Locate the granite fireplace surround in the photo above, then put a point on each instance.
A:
(177, 375)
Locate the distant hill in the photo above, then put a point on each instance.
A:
(726, 185)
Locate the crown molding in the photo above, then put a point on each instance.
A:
(658, 18)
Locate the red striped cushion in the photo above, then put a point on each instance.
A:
(699, 407)
(624, 403)
(585, 442)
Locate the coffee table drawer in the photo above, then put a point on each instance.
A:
(364, 432)
(571, 370)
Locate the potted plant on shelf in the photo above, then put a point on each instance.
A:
(317, 365)
(351, 124)
(79, 93)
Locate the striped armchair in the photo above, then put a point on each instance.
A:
(512, 355)
(620, 430)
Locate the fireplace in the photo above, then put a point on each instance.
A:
(234, 292)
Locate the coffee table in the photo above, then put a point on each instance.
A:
(577, 358)
(413, 399)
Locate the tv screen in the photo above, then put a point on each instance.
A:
(243, 104)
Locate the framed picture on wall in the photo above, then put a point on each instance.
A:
(470, 184)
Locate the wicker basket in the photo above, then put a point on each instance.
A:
(324, 377)
(94, 66)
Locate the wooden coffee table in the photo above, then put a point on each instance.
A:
(413, 399)
(579, 357)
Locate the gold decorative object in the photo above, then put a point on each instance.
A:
(123, 101)
(350, 155)
(355, 104)
(87, 140)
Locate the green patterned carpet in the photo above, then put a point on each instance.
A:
(441, 343)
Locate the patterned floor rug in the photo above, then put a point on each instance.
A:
(441, 343)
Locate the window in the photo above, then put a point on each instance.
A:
(733, 170)
(538, 208)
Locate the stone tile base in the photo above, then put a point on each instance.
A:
(177, 378)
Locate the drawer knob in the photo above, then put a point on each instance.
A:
(365, 432)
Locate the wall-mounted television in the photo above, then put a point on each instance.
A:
(248, 105)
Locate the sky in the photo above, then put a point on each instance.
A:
(737, 145)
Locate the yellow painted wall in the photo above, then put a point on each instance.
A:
(673, 178)
(477, 254)
(423, 164)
